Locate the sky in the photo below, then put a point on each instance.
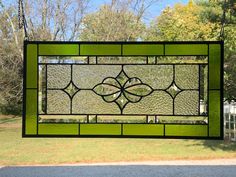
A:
(152, 12)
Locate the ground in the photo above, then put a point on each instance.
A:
(15, 150)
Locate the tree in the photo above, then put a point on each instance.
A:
(10, 61)
(181, 23)
(55, 19)
(118, 21)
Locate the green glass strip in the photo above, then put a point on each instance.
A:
(143, 49)
(31, 112)
(31, 66)
(58, 49)
(142, 129)
(100, 129)
(58, 129)
(214, 66)
(214, 113)
(185, 130)
(100, 49)
(186, 49)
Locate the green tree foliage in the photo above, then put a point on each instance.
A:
(112, 22)
(201, 21)
(181, 23)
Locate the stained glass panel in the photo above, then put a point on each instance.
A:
(123, 89)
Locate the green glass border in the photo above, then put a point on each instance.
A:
(58, 49)
(58, 129)
(32, 65)
(100, 49)
(186, 49)
(100, 129)
(215, 90)
(143, 129)
(214, 66)
(186, 130)
(214, 113)
(143, 49)
(31, 112)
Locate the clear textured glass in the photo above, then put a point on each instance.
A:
(157, 76)
(187, 76)
(58, 102)
(87, 76)
(159, 102)
(187, 103)
(58, 76)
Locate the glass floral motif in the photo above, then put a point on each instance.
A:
(122, 90)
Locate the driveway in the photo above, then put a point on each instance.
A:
(149, 169)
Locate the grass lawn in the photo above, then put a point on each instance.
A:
(15, 150)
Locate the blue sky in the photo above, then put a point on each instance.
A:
(152, 12)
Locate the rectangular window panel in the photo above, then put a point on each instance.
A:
(123, 89)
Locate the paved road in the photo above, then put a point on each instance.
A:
(121, 171)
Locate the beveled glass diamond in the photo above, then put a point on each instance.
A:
(122, 101)
(173, 90)
(71, 89)
(122, 78)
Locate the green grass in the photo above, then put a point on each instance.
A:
(15, 150)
